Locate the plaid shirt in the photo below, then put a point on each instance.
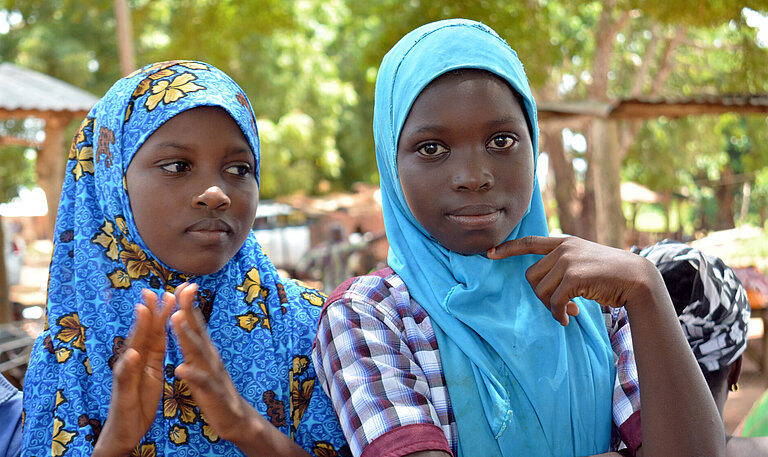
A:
(377, 358)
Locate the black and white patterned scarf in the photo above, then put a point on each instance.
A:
(709, 299)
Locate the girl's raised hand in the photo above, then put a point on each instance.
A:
(137, 383)
(574, 267)
(223, 408)
(203, 371)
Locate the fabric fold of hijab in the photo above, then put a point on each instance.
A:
(259, 322)
(544, 389)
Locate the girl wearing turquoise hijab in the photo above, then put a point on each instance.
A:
(453, 350)
(159, 198)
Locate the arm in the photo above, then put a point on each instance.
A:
(668, 373)
(230, 416)
(137, 385)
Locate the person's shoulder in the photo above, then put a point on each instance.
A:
(379, 292)
(375, 286)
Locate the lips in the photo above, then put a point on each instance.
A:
(209, 230)
(475, 216)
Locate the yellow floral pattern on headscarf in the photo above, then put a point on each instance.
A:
(145, 450)
(136, 262)
(208, 432)
(251, 286)
(314, 297)
(105, 238)
(63, 354)
(301, 389)
(169, 92)
(71, 331)
(61, 438)
(325, 449)
(178, 434)
(60, 398)
(177, 400)
(81, 151)
(249, 321)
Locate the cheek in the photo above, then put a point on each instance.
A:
(417, 196)
(247, 201)
(151, 208)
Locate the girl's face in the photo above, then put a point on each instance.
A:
(465, 161)
(193, 190)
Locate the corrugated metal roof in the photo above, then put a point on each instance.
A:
(28, 90)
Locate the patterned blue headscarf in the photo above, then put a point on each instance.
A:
(262, 325)
(519, 382)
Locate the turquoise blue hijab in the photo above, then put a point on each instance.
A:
(519, 382)
(262, 325)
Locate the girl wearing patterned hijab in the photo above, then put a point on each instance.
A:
(161, 189)
(451, 348)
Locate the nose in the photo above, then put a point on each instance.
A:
(213, 198)
(473, 172)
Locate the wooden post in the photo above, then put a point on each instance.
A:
(5, 302)
(606, 164)
(125, 37)
(50, 166)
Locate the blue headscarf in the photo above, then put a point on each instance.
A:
(544, 389)
(262, 325)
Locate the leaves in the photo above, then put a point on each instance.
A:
(309, 69)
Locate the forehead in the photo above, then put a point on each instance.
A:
(439, 95)
(189, 121)
(454, 76)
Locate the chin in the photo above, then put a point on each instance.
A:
(199, 269)
(469, 249)
(472, 247)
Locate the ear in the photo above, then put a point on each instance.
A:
(735, 371)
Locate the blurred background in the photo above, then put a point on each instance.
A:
(653, 118)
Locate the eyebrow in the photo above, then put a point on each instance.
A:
(171, 144)
(185, 147)
(437, 128)
(508, 120)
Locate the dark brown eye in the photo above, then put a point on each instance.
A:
(431, 149)
(502, 142)
(241, 170)
(176, 167)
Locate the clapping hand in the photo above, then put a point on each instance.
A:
(137, 384)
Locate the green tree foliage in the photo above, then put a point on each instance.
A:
(309, 67)
(17, 160)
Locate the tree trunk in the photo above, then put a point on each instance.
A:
(50, 167)
(588, 210)
(125, 37)
(5, 300)
(724, 196)
(566, 194)
(746, 192)
(606, 163)
(667, 203)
